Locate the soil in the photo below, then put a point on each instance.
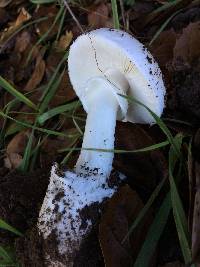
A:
(21, 195)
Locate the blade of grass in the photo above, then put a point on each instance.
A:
(159, 121)
(55, 111)
(24, 166)
(166, 6)
(45, 35)
(118, 151)
(9, 88)
(145, 209)
(35, 155)
(154, 234)
(61, 25)
(115, 14)
(163, 26)
(66, 158)
(178, 211)
(51, 92)
(4, 254)
(2, 46)
(27, 125)
(6, 226)
(44, 103)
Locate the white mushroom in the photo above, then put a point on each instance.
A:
(102, 64)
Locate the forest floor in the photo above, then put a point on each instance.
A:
(154, 220)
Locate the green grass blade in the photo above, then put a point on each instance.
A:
(115, 14)
(119, 151)
(178, 211)
(145, 209)
(45, 35)
(47, 94)
(27, 125)
(9, 88)
(61, 25)
(5, 255)
(166, 6)
(51, 92)
(6, 226)
(154, 234)
(163, 26)
(2, 46)
(159, 121)
(24, 166)
(57, 110)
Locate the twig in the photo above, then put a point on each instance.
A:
(73, 16)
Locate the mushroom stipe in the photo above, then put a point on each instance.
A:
(103, 64)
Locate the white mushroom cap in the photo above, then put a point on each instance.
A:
(99, 52)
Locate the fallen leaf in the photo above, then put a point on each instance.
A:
(22, 17)
(64, 93)
(145, 168)
(22, 41)
(44, 26)
(64, 41)
(187, 48)
(37, 74)
(162, 47)
(120, 213)
(4, 3)
(99, 16)
(13, 161)
(15, 149)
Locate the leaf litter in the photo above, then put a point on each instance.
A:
(177, 50)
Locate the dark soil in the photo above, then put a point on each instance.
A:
(21, 195)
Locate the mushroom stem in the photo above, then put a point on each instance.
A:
(99, 130)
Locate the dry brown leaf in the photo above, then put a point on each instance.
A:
(187, 47)
(98, 17)
(144, 167)
(120, 213)
(22, 41)
(13, 161)
(64, 41)
(22, 17)
(15, 149)
(37, 75)
(43, 27)
(163, 46)
(4, 3)
(64, 92)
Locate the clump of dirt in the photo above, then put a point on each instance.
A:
(30, 251)
(184, 103)
(21, 196)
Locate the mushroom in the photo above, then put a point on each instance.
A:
(103, 65)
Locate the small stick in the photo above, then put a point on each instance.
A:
(73, 16)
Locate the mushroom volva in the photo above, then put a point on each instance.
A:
(103, 65)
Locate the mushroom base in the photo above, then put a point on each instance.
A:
(71, 207)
